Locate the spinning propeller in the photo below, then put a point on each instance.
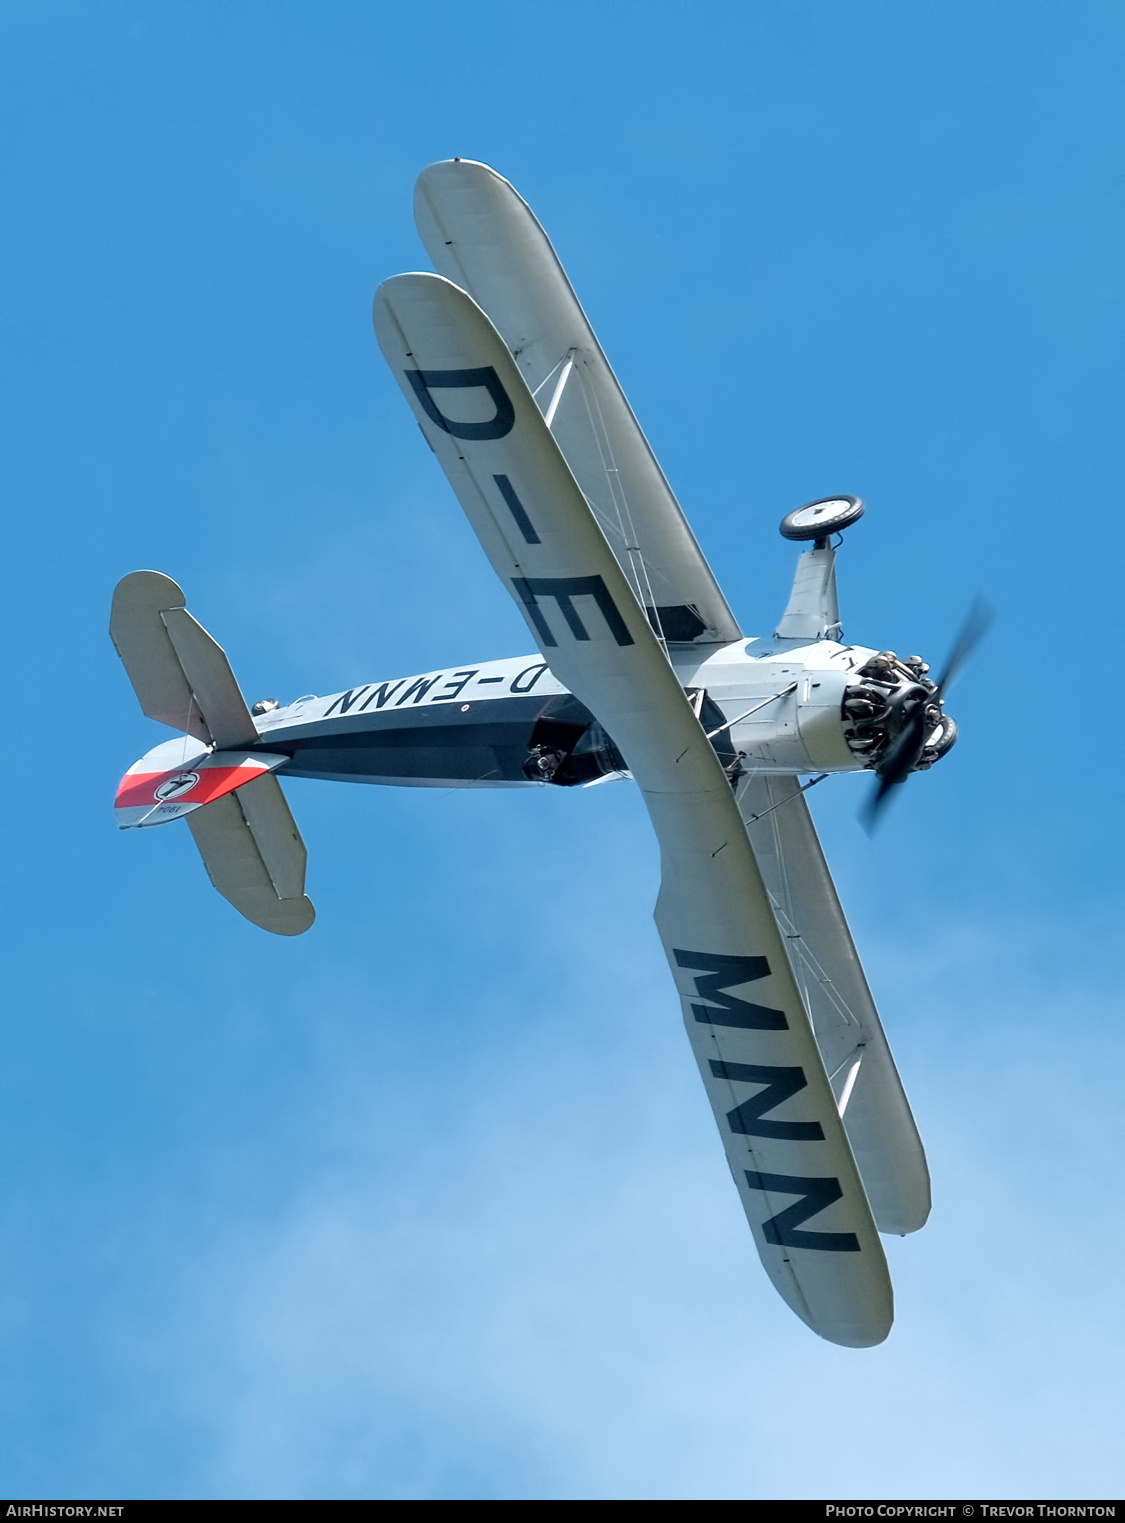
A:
(920, 708)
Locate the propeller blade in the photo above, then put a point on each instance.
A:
(872, 811)
(969, 636)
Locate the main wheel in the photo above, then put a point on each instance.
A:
(819, 519)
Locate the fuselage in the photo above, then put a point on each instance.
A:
(776, 707)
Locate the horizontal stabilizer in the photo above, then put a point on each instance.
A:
(177, 777)
(255, 857)
(181, 676)
(248, 838)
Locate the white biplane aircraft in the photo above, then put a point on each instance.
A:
(642, 671)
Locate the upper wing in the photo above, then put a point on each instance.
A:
(481, 234)
(751, 1035)
(877, 1116)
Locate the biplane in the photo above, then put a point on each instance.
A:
(640, 670)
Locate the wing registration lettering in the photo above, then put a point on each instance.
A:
(426, 382)
(718, 974)
(517, 510)
(563, 589)
(781, 1084)
(783, 1229)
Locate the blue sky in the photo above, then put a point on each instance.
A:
(429, 1203)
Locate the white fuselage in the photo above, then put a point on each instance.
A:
(776, 703)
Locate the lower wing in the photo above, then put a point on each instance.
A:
(786, 1146)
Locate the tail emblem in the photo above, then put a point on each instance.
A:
(176, 786)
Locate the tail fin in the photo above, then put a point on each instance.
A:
(249, 843)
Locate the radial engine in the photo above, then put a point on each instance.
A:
(882, 699)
